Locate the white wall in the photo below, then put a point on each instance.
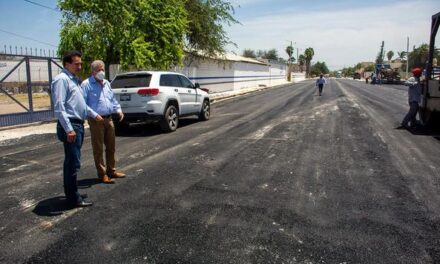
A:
(221, 76)
(216, 75)
(228, 75)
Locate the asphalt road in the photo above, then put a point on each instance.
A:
(277, 176)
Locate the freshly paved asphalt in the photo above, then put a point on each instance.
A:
(276, 176)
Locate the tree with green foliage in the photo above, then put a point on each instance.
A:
(348, 71)
(248, 53)
(319, 68)
(308, 56)
(369, 68)
(143, 33)
(390, 55)
(206, 21)
(271, 54)
(419, 56)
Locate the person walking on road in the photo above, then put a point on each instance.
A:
(320, 83)
(414, 93)
(101, 100)
(71, 110)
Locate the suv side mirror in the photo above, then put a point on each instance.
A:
(197, 85)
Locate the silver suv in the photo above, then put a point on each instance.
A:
(159, 96)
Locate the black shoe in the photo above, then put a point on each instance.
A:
(83, 204)
(84, 196)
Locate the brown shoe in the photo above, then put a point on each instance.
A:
(106, 179)
(118, 174)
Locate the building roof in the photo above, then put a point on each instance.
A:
(230, 57)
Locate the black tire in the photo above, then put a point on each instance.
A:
(425, 117)
(170, 121)
(206, 111)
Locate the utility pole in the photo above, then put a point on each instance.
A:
(407, 56)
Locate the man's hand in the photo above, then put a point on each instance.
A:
(71, 137)
(121, 116)
(98, 118)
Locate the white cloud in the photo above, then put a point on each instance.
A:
(340, 38)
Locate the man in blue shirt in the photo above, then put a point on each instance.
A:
(71, 110)
(414, 94)
(102, 102)
(320, 83)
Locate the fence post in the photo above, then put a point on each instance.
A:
(49, 91)
(29, 84)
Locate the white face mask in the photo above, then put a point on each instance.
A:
(100, 76)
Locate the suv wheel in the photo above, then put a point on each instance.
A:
(170, 120)
(206, 111)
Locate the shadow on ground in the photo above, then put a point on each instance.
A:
(153, 129)
(425, 131)
(87, 183)
(52, 207)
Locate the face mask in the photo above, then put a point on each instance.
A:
(100, 76)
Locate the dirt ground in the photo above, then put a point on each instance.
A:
(41, 101)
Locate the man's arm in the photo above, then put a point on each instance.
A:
(115, 104)
(85, 85)
(59, 94)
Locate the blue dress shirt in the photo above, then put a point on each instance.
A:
(100, 97)
(68, 99)
(320, 81)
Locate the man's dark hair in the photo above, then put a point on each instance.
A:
(69, 55)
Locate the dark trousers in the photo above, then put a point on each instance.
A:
(411, 115)
(72, 161)
(320, 86)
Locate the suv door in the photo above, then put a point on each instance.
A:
(172, 81)
(190, 94)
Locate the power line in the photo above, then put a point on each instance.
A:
(28, 38)
(40, 5)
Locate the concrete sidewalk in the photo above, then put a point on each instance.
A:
(15, 132)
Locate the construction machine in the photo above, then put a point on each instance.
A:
(387, 75)
(429, 110)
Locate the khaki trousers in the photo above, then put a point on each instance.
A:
(103, 134)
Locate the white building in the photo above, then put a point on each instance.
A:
(224, 73)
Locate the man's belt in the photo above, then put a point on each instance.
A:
(76, 121)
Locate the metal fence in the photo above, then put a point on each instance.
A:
(18, 93)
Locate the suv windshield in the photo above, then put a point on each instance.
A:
(134, 80)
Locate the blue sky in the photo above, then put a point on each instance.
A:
(31, 21)
(341, 32)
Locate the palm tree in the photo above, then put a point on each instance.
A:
(403, 59)
(390, 55)
(289, 51)
(308, 54)
(401, 54)
(302, 61)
